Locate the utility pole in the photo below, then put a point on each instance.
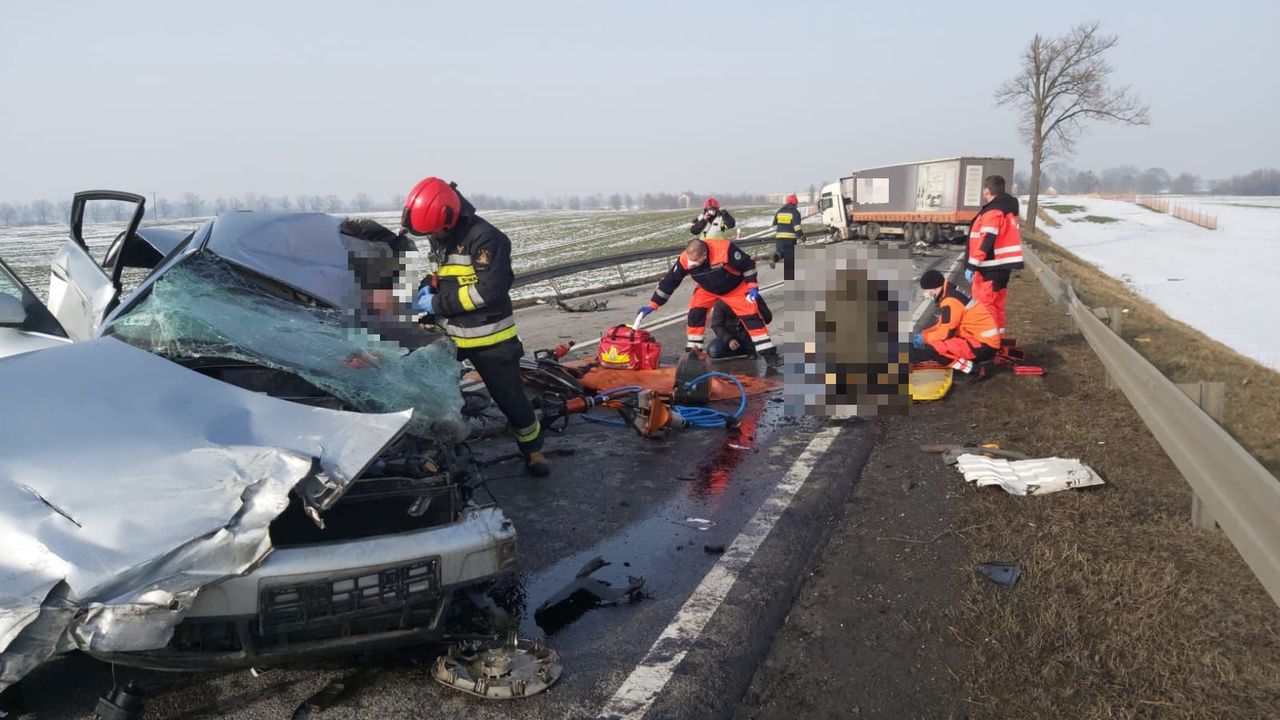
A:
(154, 208)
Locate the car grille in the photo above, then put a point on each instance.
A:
(395, 595)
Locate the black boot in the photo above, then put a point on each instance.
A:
(978, 375)
(537, 465)
(772, 360)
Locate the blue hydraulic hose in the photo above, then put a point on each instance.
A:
(707, 417)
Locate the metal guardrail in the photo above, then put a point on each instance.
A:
(1236, 490)
(540, 275)
(544, 274)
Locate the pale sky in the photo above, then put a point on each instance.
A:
(527, 98)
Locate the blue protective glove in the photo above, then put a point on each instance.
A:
(917, 340)
(645, 310)
(753, 294)
(968, 276)
(423, 303)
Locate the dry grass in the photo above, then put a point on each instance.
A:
(1124, 610)
(1184, 354)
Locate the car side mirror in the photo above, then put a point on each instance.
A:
(12, 312)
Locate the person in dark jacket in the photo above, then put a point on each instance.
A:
(468, 299)
(714, 222)
(732, 338)
(787, 232)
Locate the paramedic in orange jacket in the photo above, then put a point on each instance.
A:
(965, 335)
(723, 272)
(995, 248)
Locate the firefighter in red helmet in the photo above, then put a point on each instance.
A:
(787, 230)
(468, 299)
(714, 222)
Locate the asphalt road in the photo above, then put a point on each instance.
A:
(687, 650)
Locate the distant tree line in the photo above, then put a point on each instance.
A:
(1258, 182)
(191, 205)
(1127, 179)
(615, 201)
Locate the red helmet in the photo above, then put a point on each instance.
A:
(432, 207)
(791, 199)
(711, 203)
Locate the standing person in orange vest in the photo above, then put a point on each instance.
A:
(965, 335)
(723, 272)
(995, 248)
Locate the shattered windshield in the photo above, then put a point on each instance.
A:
(206, 308)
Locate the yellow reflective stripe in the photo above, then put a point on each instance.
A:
(456, 271)
(532, 433)
(784, 218)
(785, 235)
(485, 340)
(464, 297)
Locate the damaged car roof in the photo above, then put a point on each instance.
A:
(128, 482)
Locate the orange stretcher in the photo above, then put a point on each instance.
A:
(664, 379)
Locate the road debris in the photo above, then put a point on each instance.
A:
(1004, 574)
(335, 691)
(713, 549)
(1027, 477)
(584, 593)
(699, 523)
(499, 670)
(593, 305)
(120, 703)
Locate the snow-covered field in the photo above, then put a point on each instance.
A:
(1224, 282)
(539, 239)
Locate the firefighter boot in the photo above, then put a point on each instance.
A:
(536, 464)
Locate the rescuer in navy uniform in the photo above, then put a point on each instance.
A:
(468, 299)
(787, 230)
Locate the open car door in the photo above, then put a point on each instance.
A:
(81, 292)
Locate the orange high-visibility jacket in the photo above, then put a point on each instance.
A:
(958, 316)
(995, 242)
(726, 268)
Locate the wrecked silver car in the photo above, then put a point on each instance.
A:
(256, 477)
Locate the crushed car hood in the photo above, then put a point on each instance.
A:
(128, 483)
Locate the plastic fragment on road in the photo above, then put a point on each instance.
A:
(584, 593)
(1000, 573)
(930, 383)
(1037, 476)
(499, 670)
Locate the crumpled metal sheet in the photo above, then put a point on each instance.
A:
(303, 250)
(127, 483)
(1036, 476)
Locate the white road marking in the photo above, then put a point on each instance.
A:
(638, 693)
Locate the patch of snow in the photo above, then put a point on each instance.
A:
(1221, 282)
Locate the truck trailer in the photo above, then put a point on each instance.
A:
(926, 201)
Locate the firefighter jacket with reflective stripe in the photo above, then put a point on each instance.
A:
(472, 302)
(995, 242)
(725, 269)
(958, 316)
(717, 227)
(786, 223)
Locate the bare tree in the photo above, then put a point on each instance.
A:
(362, 202)
(284, 204)
(40, 211)
(163, 207)
(1064, 81)
(1185, 184)
(8, 213)
(192, 204)
(397, 202)
(62, 209)
(333, 204)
